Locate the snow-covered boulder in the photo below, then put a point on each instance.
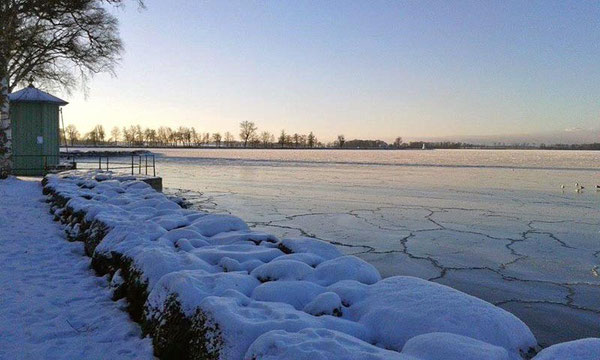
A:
(296, 293)
(205, 286)
(399, 308)
(446, 346)
(228, 325)
(190, 287)
(346, 268)
(317, 344)
(311, 246)
(584, 349)
(283, 270)
(327, 303)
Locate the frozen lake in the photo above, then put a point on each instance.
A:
(495, 224)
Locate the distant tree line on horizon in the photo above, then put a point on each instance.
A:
(249, 136)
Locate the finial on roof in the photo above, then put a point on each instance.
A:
(31, 82)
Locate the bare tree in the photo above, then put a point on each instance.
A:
(217, 139)
(163, 135)
(72, 133)
(296, 138)
(99, 129)
(150, 136)
(194, 136)
(282, 138)
(59, 42)
(311, 140)
(247, 130)
(265, 138)
(96, 135)
(398, 142)
(115, 134)
(205, 138)
(341, 140)
(228, 139)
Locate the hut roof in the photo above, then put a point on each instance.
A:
(31, 94)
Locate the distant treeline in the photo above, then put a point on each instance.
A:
(250, 137)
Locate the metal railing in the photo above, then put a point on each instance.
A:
(143, 164)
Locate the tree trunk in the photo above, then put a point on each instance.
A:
(6, 159)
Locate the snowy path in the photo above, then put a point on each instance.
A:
(52, 306)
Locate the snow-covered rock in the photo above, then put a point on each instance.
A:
(206, 286)
(401, 307)
(311, 246)
(317, 344)
(446, 346)
(346, 268)
(328, 303)
(296, 293)
(283, 270)
(583, 349)
(230, 324)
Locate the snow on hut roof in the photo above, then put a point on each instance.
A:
(31, 94)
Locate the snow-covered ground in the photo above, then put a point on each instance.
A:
(52, 306)
(207, 286)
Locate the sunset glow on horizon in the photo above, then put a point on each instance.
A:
(373, 69)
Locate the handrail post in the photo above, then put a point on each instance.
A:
(131, 164)
(146, 158)
(140, 165)
(107, 163)
(100, 163)
(153, 165)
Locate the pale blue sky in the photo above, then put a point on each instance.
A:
(367, 69)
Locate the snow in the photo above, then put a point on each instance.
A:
(316, 344)
(583, 349)
(328, 303)
(241, 320)
(446, 346)
(307, 258)
(211, 225)
(52, 306)
(241, 253)
(312, 246)
(296, 293)
(192, 286)
(401, 307)
(236, 285)
(283, 270)
(346, 268)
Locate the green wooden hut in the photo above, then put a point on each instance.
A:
(34, 116)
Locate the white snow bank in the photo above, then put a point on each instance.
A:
(317, 344)
(212, 266)
(192, 286)
(445, 346)
(238, 321)
(51, 305)
(401, 307)
(584, 349)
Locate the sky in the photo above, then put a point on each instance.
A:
(365, 69)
